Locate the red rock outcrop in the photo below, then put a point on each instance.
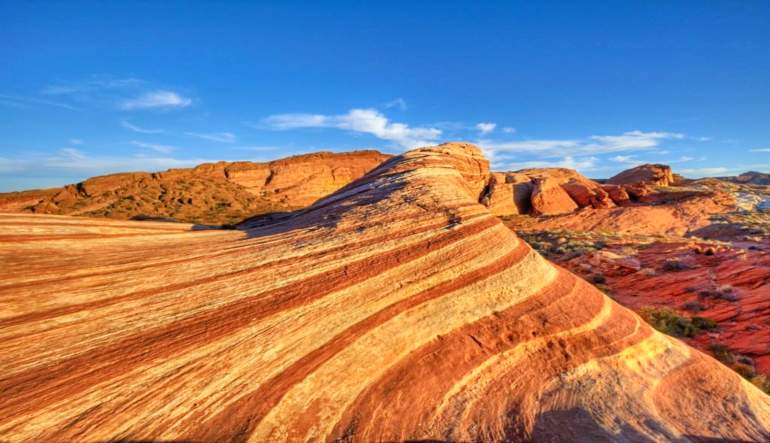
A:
(617, 194)
(549, 198)
(499, 196)
(650, 174)
(546, 191)
(396, 309)
(209, 193)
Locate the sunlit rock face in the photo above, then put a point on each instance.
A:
(398, 308)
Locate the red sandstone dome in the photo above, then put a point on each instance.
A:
(398, 308)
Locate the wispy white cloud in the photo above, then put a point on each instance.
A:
(760, 150)
(399, 103)
(128, 125)
(486, 128)
(156, 100)
(630, 160)
(627, 160)
(704, 171)
(509, 130)
(257, 148)
(580, 164)
(366, 121)
(164, 149)
(633, 140)
(76, 141)
(23, 102)
(71, 153)
(74, 163)
(92, 84)
(595, 144)
(221, 137)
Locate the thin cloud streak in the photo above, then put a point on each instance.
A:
(73, 161)
(582, 164)
(399, 103)
(28, 102)
(220, 137)
(160, 99)
(128, 125)
(595, 144)
(164, 149)
(91, 85)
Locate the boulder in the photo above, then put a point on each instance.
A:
(585, 194)
(549, 198)
(649, 174)
(617, 194)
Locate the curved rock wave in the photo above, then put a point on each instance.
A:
(397, 308)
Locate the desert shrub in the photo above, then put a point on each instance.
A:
(722, 353)
(744, 370)
(724, 292)
(669, 322)
(604, 288)
(598, 279)
(703, 323)
(674, 265)
(693, 305)
(762, 382)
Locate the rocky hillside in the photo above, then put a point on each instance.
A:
(212, 193)
(397, 308)
(750, 178)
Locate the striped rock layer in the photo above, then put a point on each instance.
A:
(396, 309)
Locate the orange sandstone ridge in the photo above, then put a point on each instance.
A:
(397, 308)
(215, 193)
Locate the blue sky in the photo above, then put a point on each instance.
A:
(89, 88)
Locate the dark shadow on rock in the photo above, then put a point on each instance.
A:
(155, 218)
(148, 441)
(576, 425)
(325, 213)
(698, 439)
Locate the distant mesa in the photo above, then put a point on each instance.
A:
(750, 178)
(213, 193)
(397, 308)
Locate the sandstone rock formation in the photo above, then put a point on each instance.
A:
(649, 174)
(544, 191)
(397, 308)
(209, 193)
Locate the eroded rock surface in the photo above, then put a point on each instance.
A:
(397, 308)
